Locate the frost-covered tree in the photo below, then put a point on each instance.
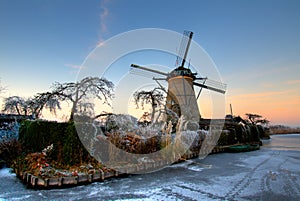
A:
(15, 105)
(79, 92)
(256, 119)
(31, 106)
(74, 92)
(154, 97)
(42, 101)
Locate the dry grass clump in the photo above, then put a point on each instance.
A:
(156, 137)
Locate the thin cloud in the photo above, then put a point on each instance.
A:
(267, 85)
(74, 66)
(103, 16)
(293, 82)
(257, 72)
(103, 21)
(101, 43)
(271, 71)
(260, 95)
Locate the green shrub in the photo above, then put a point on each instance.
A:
(232, 139)
(240, 133)
(264, 133)
(223, 139)
(254, 133)
(67, 147)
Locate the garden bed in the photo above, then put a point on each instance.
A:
(66, 162)
(98, 175)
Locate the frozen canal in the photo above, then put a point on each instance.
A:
(272, 173)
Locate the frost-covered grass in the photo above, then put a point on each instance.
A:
(133, 138)
(9, 131)
(10, 148)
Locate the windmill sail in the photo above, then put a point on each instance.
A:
(184, 47)
(149, 69)
(212, 85)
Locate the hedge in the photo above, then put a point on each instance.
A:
(239, 133)
(68, 149)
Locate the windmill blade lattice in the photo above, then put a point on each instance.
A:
(212, 85)
(183, 47)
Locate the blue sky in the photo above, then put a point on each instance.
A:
(254, 43)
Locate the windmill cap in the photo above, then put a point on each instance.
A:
(182, 71)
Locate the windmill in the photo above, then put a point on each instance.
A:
(181, 97)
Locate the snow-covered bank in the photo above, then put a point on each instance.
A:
(6, 172)
(266, 174)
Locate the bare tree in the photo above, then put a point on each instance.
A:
(256, 119)
(75, 92)
(154, 97)
(15, 105)
(41, 101)
(31, 106)
(78, 92)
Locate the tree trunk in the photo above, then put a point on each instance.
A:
(152, 114)
(153, 108)
(75, 102)
(18, 111)
(73, 110)
(72, 113)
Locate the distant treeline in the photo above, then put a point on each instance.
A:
(281, 129)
